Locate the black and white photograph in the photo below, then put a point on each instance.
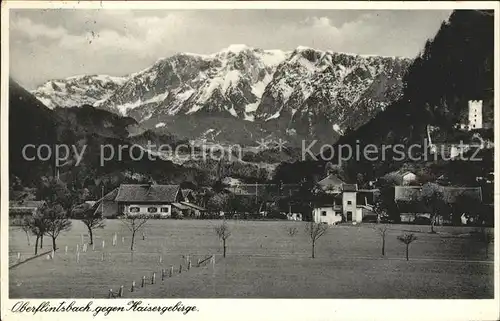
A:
(239, 152)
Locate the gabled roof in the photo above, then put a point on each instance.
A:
(403, 174)
(180, 206)
(27, 204)
(186, 192)
(331, 180)
(450, 194)
(196, 207)
(110, 196)
(147, 193)
(263, 190)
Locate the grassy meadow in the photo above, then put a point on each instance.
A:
(263, 261)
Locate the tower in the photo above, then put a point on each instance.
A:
(475, 114)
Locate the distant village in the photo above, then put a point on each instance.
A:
(330, 200)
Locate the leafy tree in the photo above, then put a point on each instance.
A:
(91, 217)
(432, 197)
(407, 239)
(56, 221)
(218, 202)
(37, 225)
(315, 231)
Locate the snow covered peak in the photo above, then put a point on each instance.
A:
(78, 90)
(300, 48)
(236, 48)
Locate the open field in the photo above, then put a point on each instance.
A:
(262, 261)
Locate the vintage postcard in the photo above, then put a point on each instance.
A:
(249, 160)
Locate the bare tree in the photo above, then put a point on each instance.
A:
(57, 221)
(382, 231)
(21, 223)
(91, 217)
(407, 239)
(292, 231)
(486, 238)
(223, 233)
(315, 231)
(134, 223)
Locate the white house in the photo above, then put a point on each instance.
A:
(408, 178)
(329, 214)
(342, 206)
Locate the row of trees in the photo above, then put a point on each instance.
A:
(61, 203)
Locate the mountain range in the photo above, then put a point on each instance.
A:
(242, 94)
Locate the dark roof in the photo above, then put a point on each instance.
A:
(186, 192)
(180, 206)
(264, 190)
(450, 194)
(27, 204)
(350, 187)
(111, 196)
(196, 207)
(147, 193)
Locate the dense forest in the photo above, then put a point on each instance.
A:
(454, 67)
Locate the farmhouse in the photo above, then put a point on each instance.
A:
(20, 209)
(403, 177)
(149, 199)
(331, 184)
(349, 205)
(409, 200)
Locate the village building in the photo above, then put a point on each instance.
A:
(136, 199)
(18, 210)
(161, 201)
(342, 202)
(412, 209)
(403, 177)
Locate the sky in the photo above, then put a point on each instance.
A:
(50, 44)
